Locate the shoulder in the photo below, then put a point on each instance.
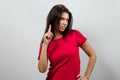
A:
(74, 32)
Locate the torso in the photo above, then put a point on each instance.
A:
(63, 54)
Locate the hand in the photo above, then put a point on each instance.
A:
(82, 78)
(48, 36)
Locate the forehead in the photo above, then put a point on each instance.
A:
(65, 15)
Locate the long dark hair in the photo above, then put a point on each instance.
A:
(54, 17)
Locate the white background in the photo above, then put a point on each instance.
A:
(22, 23)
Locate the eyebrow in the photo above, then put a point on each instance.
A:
(64, 18)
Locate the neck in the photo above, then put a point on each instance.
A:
(58, 35)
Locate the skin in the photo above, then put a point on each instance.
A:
(62, 25)
(87, 48)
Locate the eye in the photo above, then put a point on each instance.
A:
(61, 18)
(64, 19)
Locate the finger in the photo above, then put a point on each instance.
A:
(78, 76)
(47, 36)
(49, 30)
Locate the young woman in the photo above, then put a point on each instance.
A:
(60, 45)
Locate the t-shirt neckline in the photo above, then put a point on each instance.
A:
(58, 38)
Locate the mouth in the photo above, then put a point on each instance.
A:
(63, 27)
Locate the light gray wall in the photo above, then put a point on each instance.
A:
(22, 24)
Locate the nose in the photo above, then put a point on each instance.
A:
(65, 22)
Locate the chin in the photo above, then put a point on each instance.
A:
(62, 30)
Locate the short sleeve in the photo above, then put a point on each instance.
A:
(39, 52)
(79, 37)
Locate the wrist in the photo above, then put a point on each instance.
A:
(44, 44)
(87, 77)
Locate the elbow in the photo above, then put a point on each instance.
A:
(94, 57)
(42, 69)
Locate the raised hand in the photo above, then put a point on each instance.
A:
(48, 36)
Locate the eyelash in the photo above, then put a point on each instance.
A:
(64, 19)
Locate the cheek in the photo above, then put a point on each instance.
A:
(60, 23)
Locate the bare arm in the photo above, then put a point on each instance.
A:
(43, 61)
(92, 60)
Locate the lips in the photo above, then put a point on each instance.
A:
(63, 27)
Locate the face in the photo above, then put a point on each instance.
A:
(63, 22)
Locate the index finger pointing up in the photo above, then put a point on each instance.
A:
(49, 30)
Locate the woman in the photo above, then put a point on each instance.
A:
(60, 44)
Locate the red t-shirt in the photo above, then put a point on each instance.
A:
(63, 54)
